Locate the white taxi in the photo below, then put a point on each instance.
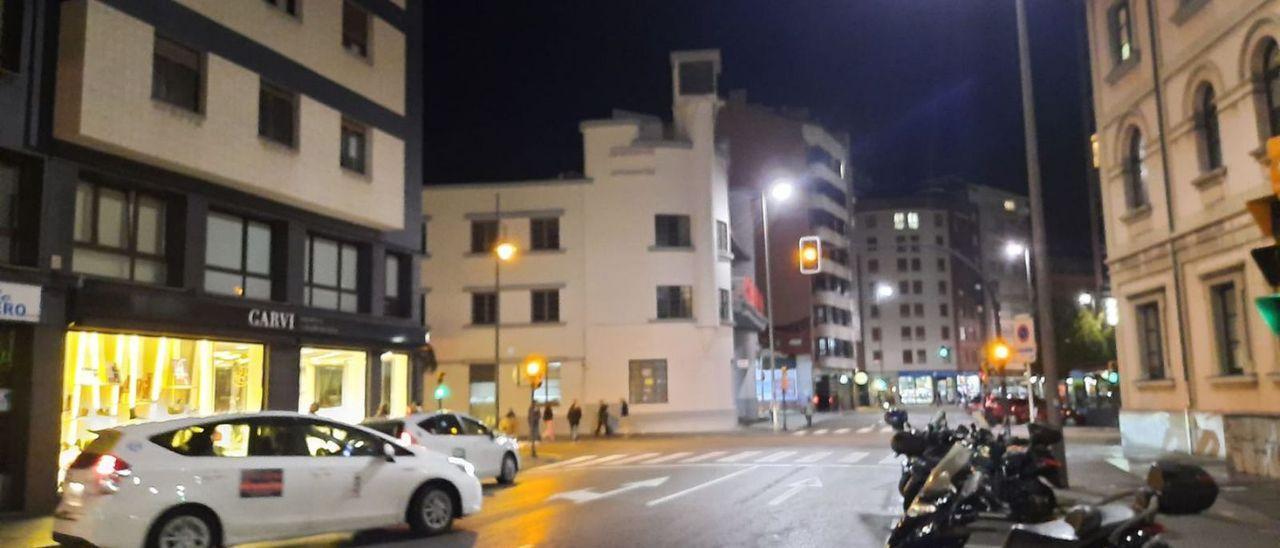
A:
(230, 479)
(495, 455)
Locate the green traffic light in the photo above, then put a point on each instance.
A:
(944, 352)
(442, 392)
(1269, 309)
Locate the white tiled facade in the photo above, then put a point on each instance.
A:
(1200, 370)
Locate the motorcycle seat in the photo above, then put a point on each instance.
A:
(1081, 522)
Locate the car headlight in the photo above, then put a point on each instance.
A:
(464, 465)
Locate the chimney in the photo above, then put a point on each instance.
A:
(695, 75)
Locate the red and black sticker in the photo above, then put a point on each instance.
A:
(261, 482)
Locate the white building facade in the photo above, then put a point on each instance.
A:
(622, 281)
(1185, 96)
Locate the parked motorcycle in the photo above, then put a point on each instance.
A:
(938, 516)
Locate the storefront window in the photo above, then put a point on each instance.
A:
(333, 383)
(395, 384)
(916, 390)
(484, 393)
(113, 379)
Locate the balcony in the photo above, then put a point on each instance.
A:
(822, 201)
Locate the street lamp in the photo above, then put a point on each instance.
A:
(1084, 299)
(503, 252)
(780, 190)
(884, 291)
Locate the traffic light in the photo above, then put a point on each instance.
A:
(810, 255)
(535, 369)
(998, 353)
(944, 352)
(1266, 213)
(442, 391)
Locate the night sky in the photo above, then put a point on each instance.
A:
(925, 88)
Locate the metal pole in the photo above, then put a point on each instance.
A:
(768, 300)
(533, 434)
(497, 310)
(1048, 352)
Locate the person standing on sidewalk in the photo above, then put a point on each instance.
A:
(602, 419)
(548, 421)
(808, 413)
(508, 423)
(624, 414)
(534, 417)
(575, 417)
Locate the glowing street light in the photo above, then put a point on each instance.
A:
(505, 251)
(781, 189)
(1013, 250)
(884, 291)
(1084, 299)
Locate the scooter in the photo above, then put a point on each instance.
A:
(939, 515)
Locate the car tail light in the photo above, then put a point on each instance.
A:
(107, 470)
(407, 438)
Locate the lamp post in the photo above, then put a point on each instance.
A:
(884, 292)
(503, 251)
(780, 190)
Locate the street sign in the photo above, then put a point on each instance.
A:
(1024, 338)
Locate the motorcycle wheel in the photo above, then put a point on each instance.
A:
(1035, 504)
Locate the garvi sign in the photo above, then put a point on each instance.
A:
(19, 302)
(272, 319)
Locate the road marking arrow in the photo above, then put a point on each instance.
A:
(586, 495)
(795, 488)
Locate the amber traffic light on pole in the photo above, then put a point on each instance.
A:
(998, 354)
(534, 369)
(810, 255)
(1266, 213)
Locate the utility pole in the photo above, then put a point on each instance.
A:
(1039, 243)
(497, 306)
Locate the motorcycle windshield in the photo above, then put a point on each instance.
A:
(954, 462)
(939, 420)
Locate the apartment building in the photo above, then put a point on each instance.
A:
(1184, 95)
(622, 280)
(208, 207)
(923, 299)
(815, 316)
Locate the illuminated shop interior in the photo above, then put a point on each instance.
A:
(333, 380)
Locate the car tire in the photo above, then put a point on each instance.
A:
(185, 527)
(507, 473)
(431, 510)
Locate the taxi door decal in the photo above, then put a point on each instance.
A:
(261, 482)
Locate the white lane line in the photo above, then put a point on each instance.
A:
(634, 458)
(679, 494)
(740, 456)
(599, 461)
(813, 457)
(668, 458)
(775, 457)
(852, 457)
(866, 429)
(842, 431)
(705, 456)
(886, 429)
(801, 433)
(574, 460)
(820, 432)
(891, 459)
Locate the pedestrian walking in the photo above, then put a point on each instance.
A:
(602, 419)
(548, 421)
(808, 413)
(624, 416)
(508, 423)
(575, 417)
(535, 415)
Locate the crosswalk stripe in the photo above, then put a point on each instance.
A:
(820, 432)
(886, 429)
(814, 457)
(866, 429)
(668, 458)
(842, 431)
(740, 456)
(567, 462)
(705, 456)
(777, 456)
(801, 433)
(634, 458)
(852, 458)
(891, 459)
(599, 461)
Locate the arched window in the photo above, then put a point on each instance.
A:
(1271, 85)
(1207, 129)
(1135, 186)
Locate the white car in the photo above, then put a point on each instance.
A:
(454, 434)
(230, 479)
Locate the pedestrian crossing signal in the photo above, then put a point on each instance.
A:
(810, 254)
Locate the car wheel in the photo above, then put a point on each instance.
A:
(507, 475)
(431, 510)
(184, 528)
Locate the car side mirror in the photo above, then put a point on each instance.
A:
(389, 451)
